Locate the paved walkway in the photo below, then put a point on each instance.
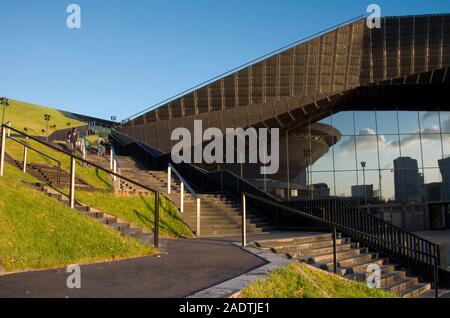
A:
(233, 286)
(189, 266)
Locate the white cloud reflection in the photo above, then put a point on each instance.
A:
(366, 139)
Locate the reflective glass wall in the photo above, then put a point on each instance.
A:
(384, 156)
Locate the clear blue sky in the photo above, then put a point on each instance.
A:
(128, 55)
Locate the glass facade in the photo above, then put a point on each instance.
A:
(395, 154)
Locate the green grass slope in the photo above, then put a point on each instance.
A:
(38, 232)
(24, 115)
(138, 210)
(303, 281)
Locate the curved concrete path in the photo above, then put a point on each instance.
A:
(189, 266)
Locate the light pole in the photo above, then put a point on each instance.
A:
(363, 165)
(113, 119)
(5, 102)
(47, 119)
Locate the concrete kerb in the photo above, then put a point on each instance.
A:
(232, 287)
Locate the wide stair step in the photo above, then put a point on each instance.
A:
(400, 285)
(131, 232)
(342, 256)
(321, 250)
(298, 247)
(119, 226)
(220, 214)
(415, 291)
(293, 240)
(362, 267)
(354, 262)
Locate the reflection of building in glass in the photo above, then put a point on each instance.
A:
(301, 179)
(321, 190)
(363, 192)
(433, 191)
(444, 166)
(406, 178)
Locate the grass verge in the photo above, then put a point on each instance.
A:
(138, 210)
(303, 281)
(38, 232)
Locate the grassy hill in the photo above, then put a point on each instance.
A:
(39, 232)
(24, 115)
(304, 281)
(139, 210)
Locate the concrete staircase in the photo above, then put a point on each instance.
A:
(220, 214)
(49, 174)
(352, 259)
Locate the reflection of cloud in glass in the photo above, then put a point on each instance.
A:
(446, 125)
(364, 146)
(413, 140)
(366, 142)
(431, 134)
(428, 115)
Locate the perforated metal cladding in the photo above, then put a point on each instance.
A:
(270, 92)
(405, 46)
(318, 66)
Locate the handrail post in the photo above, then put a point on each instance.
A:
(114, 169)
(334, 250)
(182, 197)
(2, 151)
(58, 174)
(244, 220)
(156, 227)
(169, 179)
(111, 159)
(25, 151)
(198, 218)
(436, 277)
(72, 183)
(83, 148)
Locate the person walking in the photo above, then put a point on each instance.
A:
(101, 146)
(108, 147)
(73, 139)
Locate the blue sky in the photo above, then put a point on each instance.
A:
(129, 55)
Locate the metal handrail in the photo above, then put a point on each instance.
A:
(320, 220)
(170, 167)
(183, 184)
(434, 257)
(58, 174)
(186, 184)
(226, 181)
(113, 131)
(383, 222)
(86, 161)
(72, 173)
